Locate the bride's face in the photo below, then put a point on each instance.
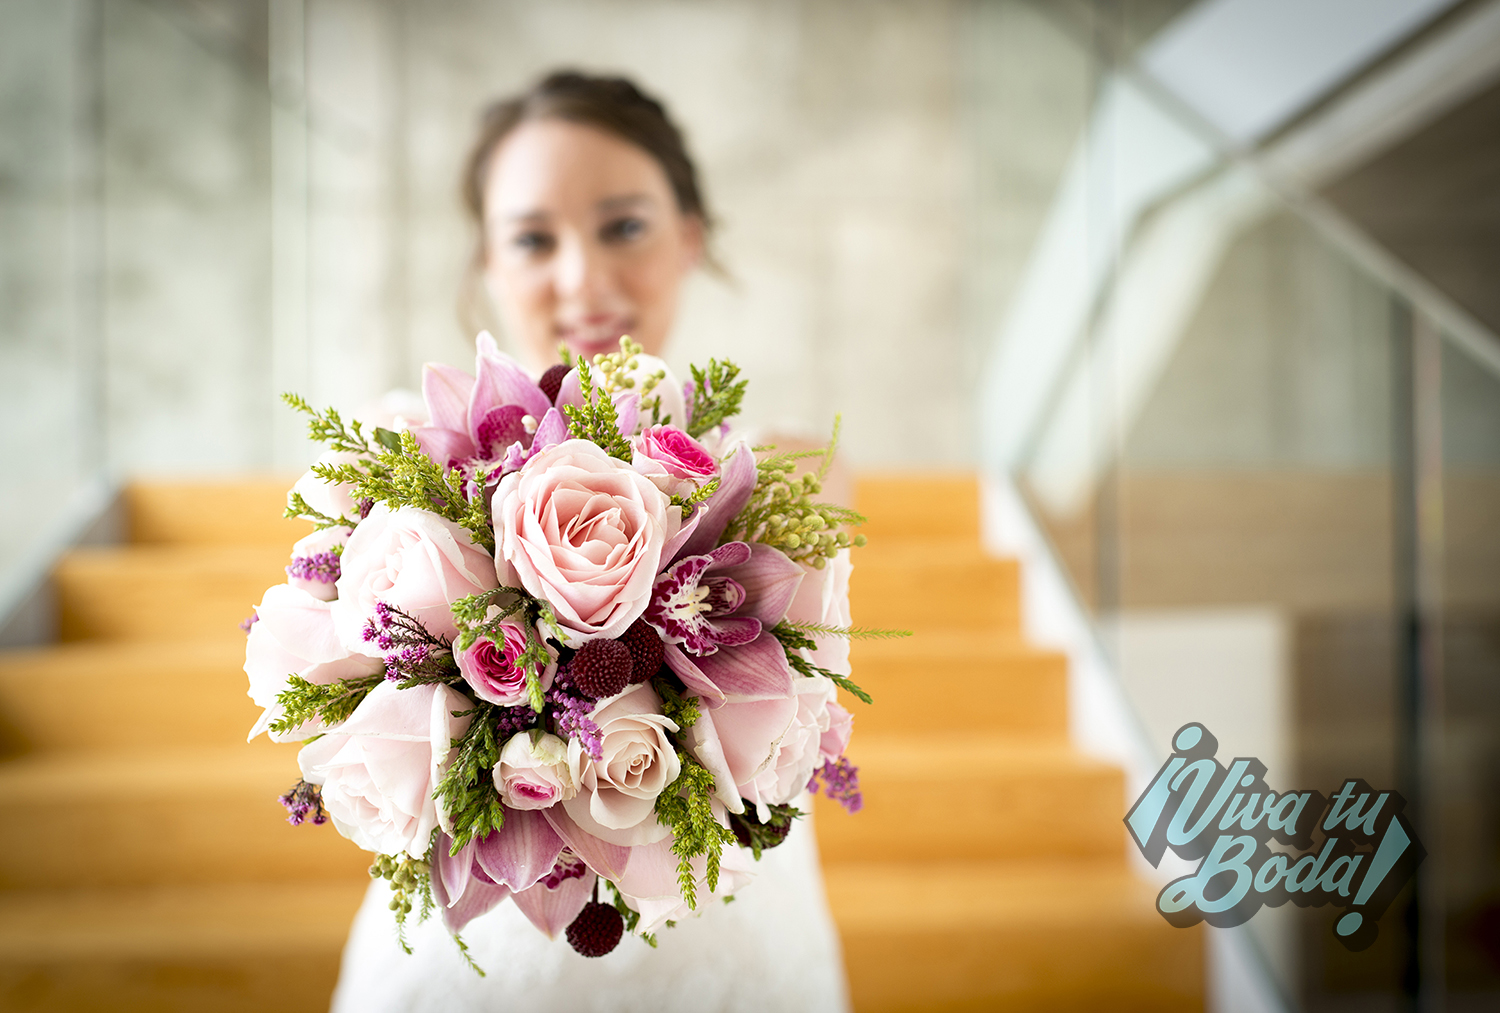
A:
(584, 241)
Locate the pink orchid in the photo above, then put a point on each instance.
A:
(714, 611)
(555, 900)
(488, 869)
(479, 418)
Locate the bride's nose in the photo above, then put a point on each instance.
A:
(582, 272)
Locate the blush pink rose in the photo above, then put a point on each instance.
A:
(491, 671)
(676, 463)
(410, 559)
(533, 772)
(379, 768)
(585, 532)
(293, 634)
(798, 753)
(823, 598)
(328, 498)
(617, 793)
(836, 739)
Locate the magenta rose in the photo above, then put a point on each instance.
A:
(672, 459)
(491, 671)
(584, 532)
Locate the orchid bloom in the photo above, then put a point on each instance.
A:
(713, 612)
(483, 418)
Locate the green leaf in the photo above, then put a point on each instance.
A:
(388, 439)
(716, 396)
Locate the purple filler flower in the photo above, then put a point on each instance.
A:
(322, 567)
(840, 783)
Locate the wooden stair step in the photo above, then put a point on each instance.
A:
(977, 798)
(935, 936)
(93, 695)
(937, 585)
(140, 592)
(182, 816)
(962, 681)
(904, 506)
(223, 948)
(243, 512)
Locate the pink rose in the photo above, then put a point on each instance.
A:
(294, 634)
(823, 598)
(836, 739)
(491, 671)
(585, 532)
(533, 772)
(617, 792)
(800, 751)
(675, 462)
(325, 497)
(412, 560)
(737, 741)
(379, 768)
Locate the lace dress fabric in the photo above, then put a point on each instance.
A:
(773, 948)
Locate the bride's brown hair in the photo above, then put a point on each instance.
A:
(613, 104)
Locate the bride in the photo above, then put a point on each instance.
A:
(590, 216)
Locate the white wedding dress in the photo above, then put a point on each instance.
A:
(773, 948)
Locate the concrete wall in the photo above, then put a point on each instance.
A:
(209, 202)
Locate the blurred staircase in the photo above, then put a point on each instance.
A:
(987, 870)
(148, 863)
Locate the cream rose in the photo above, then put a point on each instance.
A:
(293, 634)
(534, 773)
(379, 768)
(617, 792)
(412, 560)
(585, 532)
(328, 498)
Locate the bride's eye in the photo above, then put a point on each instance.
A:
(533, 242)
(623, 229)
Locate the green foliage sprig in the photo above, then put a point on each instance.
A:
(465, 791)
(630, 915)
(296, 506)
(329, 428)
(472, 617)
(847, 632)
(331, 703)
(687, 807)
(595, 420)
(679, 709)
(405, 476)
(794, 642)
(410, 878)
(783, 512)
(698, 495)
(716, 396)
(762, 836)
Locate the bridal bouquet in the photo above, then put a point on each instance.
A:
(566, 633)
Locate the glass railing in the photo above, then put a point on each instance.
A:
(1269, 470)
